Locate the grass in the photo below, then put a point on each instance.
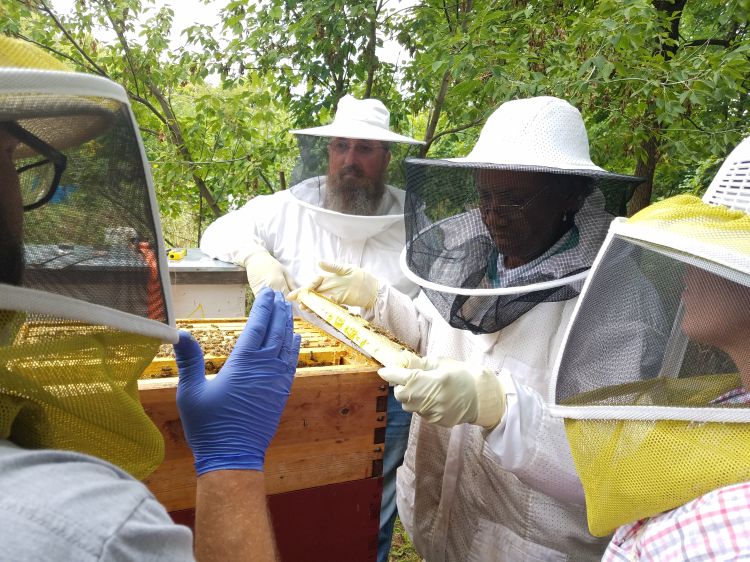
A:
(402, 549)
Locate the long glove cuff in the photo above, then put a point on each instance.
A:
(251, 249)
(491, 389)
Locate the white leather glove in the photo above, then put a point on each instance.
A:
(345, 284)
(263, 270)
(448, 392)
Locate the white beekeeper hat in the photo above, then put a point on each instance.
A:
(731, 184)
(359, 119)
(541, 134)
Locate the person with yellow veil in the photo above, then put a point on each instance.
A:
(664, 459)
(75, 335)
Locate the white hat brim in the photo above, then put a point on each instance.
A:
(592, 171)
(356, 131)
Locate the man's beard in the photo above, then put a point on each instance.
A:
(349, 192)
(11, 258)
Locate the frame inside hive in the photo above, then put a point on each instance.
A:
(217, 337)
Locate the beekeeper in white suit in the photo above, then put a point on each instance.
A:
(345, 210)
(342, 211)
(500, 242)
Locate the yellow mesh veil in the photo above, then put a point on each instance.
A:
(73, 386)
(635, 469)
(20, 54)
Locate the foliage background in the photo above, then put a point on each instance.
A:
(662, 84)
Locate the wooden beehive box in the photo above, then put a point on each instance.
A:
(332, 429)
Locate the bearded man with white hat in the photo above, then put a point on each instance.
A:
(340, 210)
(345, 207)
(500, 242)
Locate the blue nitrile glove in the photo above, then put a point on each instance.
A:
(230, 420)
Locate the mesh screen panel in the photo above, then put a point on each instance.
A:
(731, 185)
(73, 386)
(62, 120)
(96, 239)
(692, 313)
(485, 227)
(313, 160)
(637, 469)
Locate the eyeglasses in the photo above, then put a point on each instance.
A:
(487, 203)
(363, 150)
(39, 175)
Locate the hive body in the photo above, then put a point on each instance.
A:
(332, 429)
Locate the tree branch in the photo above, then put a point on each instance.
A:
(124, 43)
(99, 70)
(456, 129)
(268, 183)
(167, 116)
(693, 123)
(435, 114)
(53, 50)
(369, 52)
(174, 128)
(149, 131)
(705, 42)
(447, 16)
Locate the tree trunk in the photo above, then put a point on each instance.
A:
(435, 114)
(645, 168)
(646, 165)
(372, 61)
(674, 9)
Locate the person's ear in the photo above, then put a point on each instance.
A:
(387, 159)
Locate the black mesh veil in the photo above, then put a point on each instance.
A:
(481, 238)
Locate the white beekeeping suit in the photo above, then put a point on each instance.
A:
(336, 212)
(500, 242)
(292, 227)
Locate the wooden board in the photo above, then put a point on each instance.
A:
(379, 344)
(332, 429)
